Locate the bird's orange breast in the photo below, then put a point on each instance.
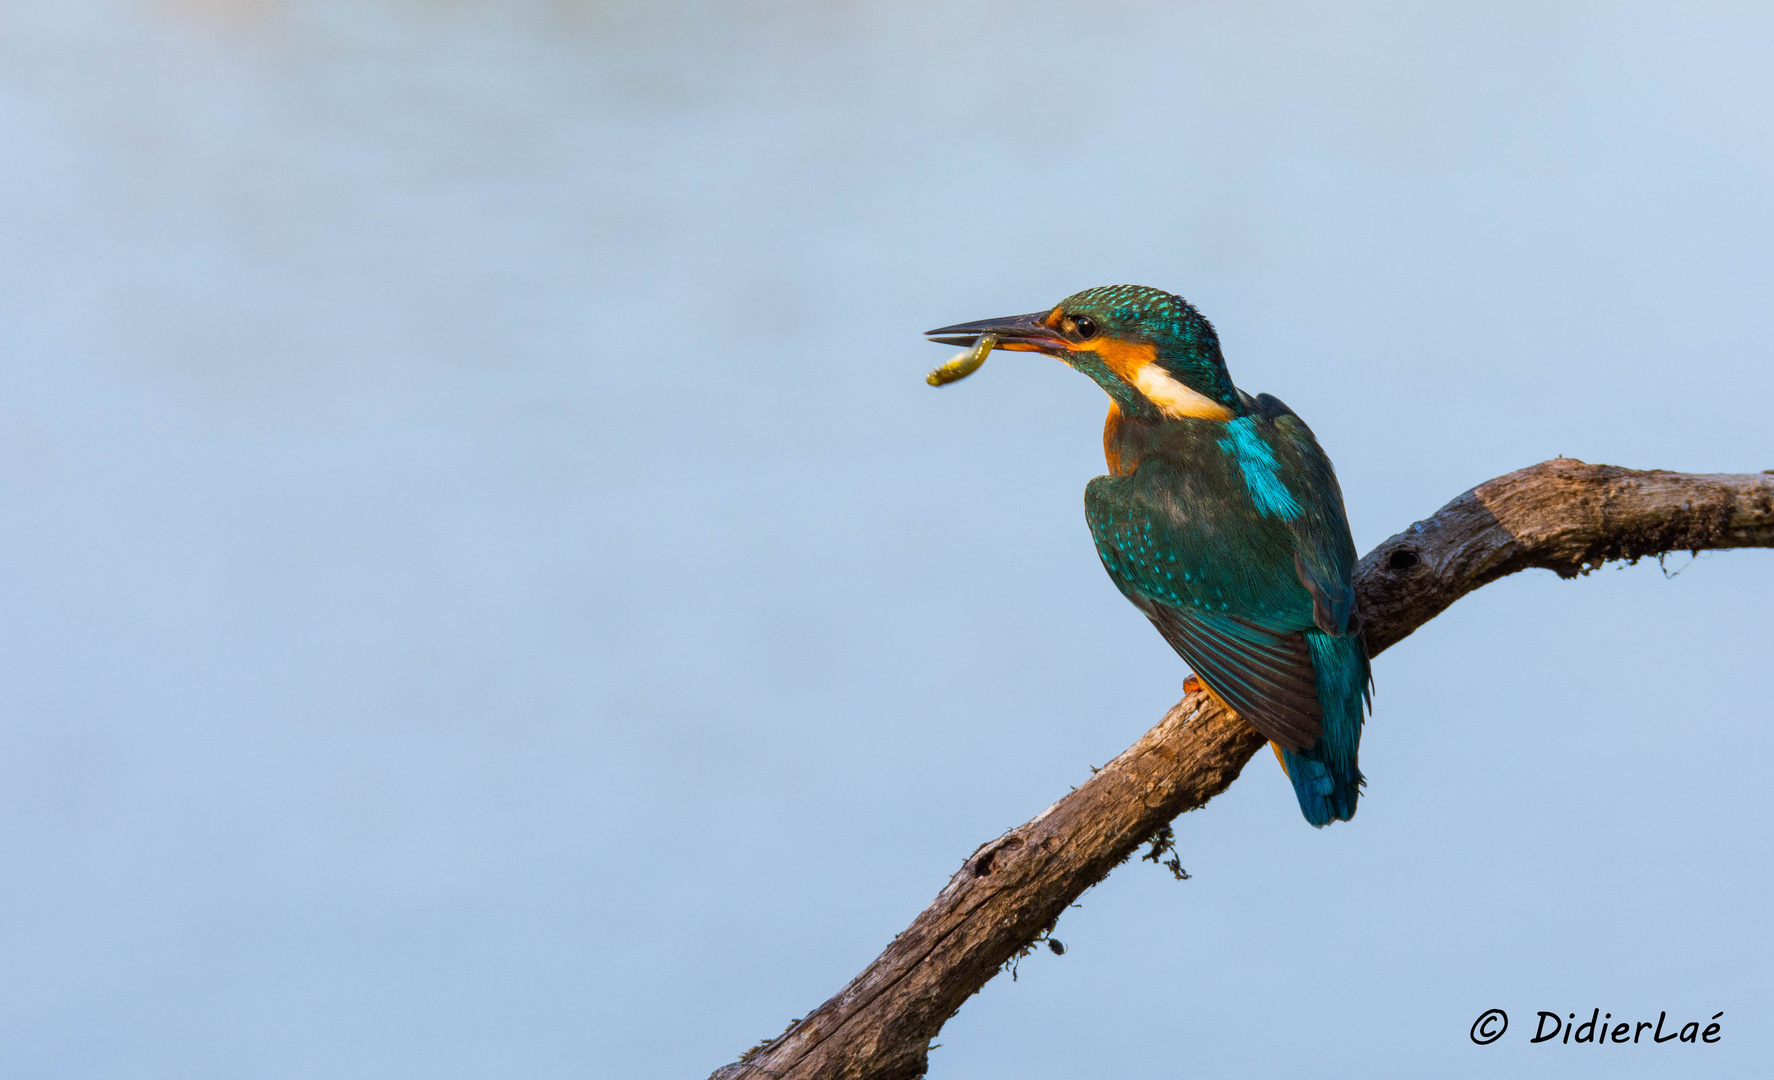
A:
(1111, 442)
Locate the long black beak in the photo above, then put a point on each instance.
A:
(1017, 332)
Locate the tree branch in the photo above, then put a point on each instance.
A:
(1561, 515)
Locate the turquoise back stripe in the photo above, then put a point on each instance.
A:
(1258, 464)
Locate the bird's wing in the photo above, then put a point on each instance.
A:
(1324, 554)
(1238, 628)
(1264, 676)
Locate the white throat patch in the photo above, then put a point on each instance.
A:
(1173, 398)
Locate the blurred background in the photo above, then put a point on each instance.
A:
(486, 591)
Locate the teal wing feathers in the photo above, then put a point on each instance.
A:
(1324, 553)
(1181, 565)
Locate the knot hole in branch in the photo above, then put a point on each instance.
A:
(983, 864)
(1402, 559)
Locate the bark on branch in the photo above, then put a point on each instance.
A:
(1561, 515)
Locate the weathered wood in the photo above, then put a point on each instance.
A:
(1561, 515)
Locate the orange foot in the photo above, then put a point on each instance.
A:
(1191, 685)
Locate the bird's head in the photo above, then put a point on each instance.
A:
(1151, 350)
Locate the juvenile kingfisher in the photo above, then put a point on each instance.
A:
(1222, 521)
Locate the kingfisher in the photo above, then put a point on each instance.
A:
(1221, 520)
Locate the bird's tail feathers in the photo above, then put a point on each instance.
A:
(1326, 777)
(1325, 795)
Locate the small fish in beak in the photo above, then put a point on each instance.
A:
(965, 363)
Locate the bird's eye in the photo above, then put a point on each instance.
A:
(1084, 326)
